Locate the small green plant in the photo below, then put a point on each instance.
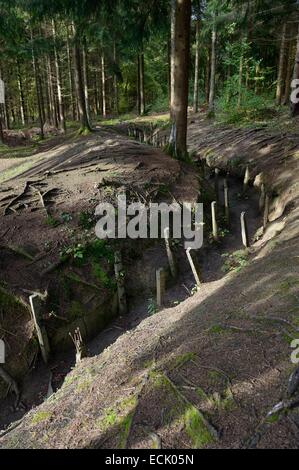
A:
(235, 261)
(152, 306)
(66, 217)
(52, 222)
(86, 220)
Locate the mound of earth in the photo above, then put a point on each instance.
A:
(208, 372)
(47, 238)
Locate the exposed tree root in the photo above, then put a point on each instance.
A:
(15, 199)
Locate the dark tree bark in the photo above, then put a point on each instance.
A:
(294, 105)
(104, 101)
(38, 90)
(180, 60)
(196, 66)
(213, 68)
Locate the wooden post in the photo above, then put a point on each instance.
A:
(266, 211)
(262, 198)
(226, 202)
(160, 285)
(214, 221)
(246, 179)
(170, 256)
(217, 171)
(194, 270)
(120, 280)
(36, 304)
(244, 230)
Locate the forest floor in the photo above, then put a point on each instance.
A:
(205, 372)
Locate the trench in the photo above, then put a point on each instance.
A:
(211, 259)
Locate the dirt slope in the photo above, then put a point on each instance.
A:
(207, 372)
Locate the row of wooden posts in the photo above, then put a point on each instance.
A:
(37, 301)
(152, 137)
(264, 205)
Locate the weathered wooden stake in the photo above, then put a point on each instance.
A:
(36, 303)
(244, 230)
(217, 171)
(81, 352)
(120, 280)
(214, 221)
(226, 202)
(262, 198)
(160, 284)
(246, 179)
(170, 256)
(266, 211)
(194, 270)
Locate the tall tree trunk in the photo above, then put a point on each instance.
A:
(115, 82)
(21, 93)
(207, 76)
(172, 56)
(294, 105)
(213, 68)
(85, 125)
(196, 73)
(85, 77)
(281, 65)
(142, 95)
(138, 85)
(58, 82)
(37, 89)
(241, 66)
(287, 91)
(71, 79)
(104, 101)
(53, 113)
(181, 54)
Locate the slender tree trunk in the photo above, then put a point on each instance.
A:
(196, 74)
(71, 79)
(288, 76)
(104, 101)
(58, 82)
(53, 119)
(181, 54)
(85, 77)
(281, 65)
(115, 82)
(213, 68)
(257, 74)
(38, 90)
(172, 56)
(295, 106)
(207, 76)
(142, 94)
(138, 85)
(21, 93)
(241, 66)
(85, 125)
